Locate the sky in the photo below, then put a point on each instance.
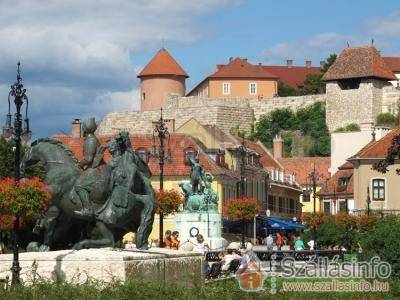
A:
(81, 58)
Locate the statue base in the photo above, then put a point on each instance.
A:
(208, 224)
(107, 265)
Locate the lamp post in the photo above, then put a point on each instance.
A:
(18, 132)
(313, 178)
(241, 154)
(368, 201)
(161, 132)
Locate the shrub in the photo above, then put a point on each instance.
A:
(386, 119)
(349, 127)
(382, 240)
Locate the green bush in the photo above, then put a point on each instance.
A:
(349, 127)
(383, 240)
(387, 119)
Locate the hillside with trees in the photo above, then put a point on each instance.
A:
(304, 132)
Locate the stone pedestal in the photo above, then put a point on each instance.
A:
(208, 224)
(108, 265)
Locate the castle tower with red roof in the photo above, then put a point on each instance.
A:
(161, 76)
(354, 87)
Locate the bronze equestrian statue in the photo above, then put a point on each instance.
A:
(116, 198)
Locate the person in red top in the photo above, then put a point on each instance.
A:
(279, 241)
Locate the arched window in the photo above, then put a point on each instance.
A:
(143, 153)
(189, 154)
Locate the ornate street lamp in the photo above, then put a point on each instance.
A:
(313, 178)
(241, 153)
(18, 132)
(161, 132)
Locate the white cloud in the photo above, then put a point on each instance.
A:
(78, 57)
(385, 26)
(317, 47)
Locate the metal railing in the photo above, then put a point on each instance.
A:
(299, 255)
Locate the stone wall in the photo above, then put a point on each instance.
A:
(390, 99)
(360, 105)
(224, 117)
(259, 107)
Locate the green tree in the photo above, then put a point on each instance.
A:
(7, 161)
(273, 123)
(328, 62)
(314, 83)
(310, 121)
(285, 90)
(349, 127)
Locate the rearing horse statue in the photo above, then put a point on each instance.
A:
(119, 208)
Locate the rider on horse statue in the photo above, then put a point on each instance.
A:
(92, 158)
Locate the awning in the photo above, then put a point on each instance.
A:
(278, 223)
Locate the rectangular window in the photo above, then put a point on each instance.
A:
(378, 189)
(252, 88)
(226, 88)
(306, 196)
(281, 205)
(342, 206)
(327, 208)
(271, 203)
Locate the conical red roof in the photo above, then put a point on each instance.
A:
(162, 64)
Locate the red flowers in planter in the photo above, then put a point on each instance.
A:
(26, 199)
(241, 209)
(168, 201)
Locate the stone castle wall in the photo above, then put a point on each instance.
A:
(141, 122)
(224, 113)
(360, 105)
(390, 99)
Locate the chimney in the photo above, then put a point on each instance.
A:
(277, 146)
(308, 63)
(230, 59)
(289, 63)
(322, 63)
(244, 59)
(259, 64)
(76, 129)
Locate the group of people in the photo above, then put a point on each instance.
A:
(171, 241)
(293, 242)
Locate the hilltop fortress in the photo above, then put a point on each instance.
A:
(360, 85)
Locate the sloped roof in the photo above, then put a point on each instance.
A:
(332, 187)
(302, 167)
(266, 158)
(162, 64)
(359, 62)
(393, 63)
(377, 149)
(293, 76)
(241, 68)
(178, 143)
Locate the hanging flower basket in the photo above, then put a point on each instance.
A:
(168, 202)
(244, 209)
(27, 199)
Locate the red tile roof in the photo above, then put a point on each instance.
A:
(332, 187)
(241, 68)
(178, 143)
(377, 149)
(359, 62)
(163, 64)
(266, 158)
(294, 76)
(393, 63)
(302, 167)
